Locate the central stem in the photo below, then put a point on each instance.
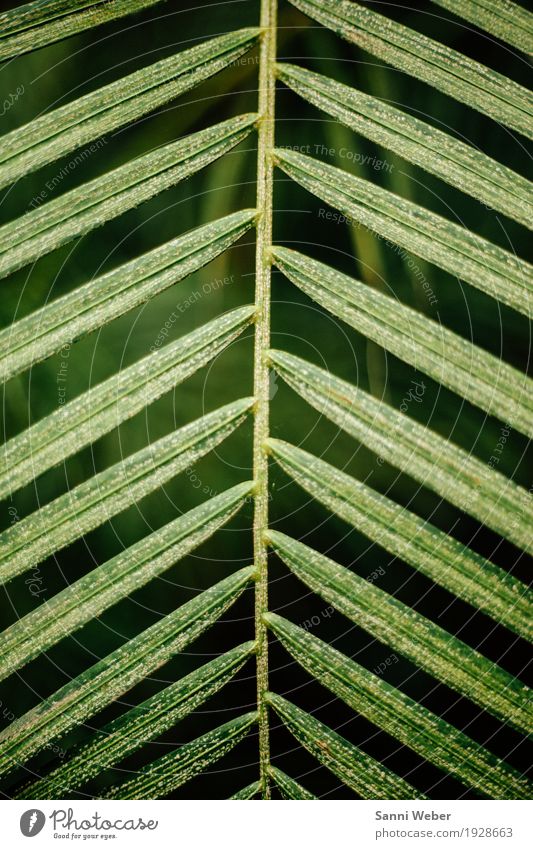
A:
(265, 145)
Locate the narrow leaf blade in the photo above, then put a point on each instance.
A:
(131, 730)
(445, 468)
(90, 205)
(438, 555)
(457, 250)
(288, 787)
(35, 24)
(106, 585)
(439, 153)
(98, 499)
(400, 716)
(427, 645)
(101, 300)
(98, 113)
(171, 771)
(446, 70)
(247, 792)
(449, 359)
(506, 20)
(97, 411)
(364, 775)
(108, 679)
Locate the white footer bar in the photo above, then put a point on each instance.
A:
(277, 825)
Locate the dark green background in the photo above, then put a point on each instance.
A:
(57, 74)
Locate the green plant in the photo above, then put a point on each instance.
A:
(475, 375)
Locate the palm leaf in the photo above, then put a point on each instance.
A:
(416, 141)
(108, 679)
(432, 237)
(128, 732)
(36, 24)
(289, 788)
(56, 133)
(426, 644)
(104, 586)
(171, 771)
(404, 719)
(502, 18)
(464, 368)
(434, 63)
(106, 494)
(76, 212)
(402, 533)
(365, 776)
(99, 301)
(247, 792)
(471, 485)
(82, 125)
(108, 404)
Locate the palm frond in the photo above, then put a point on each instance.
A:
(94, 115)
(99, 301)
(367, 777)
(124, 735)
(97, 411)
(460, 252)
(118, 672)
(419, 56)
(171, 771)
(37, 24)
(103, 496)
(466, 482)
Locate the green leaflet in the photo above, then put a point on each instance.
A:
(247, 792)
(288, 787)
(103, 496)
(447, 70)
(445, 468)
(99, 301)
(502, 18)
(404, 534)
(124, 735)
(104, 586)
(97, 411)
(364, 775)
(400, 716)
(77, 212)
(441, 154)
(36, 24)
(108, 679)
(427, 645)
(79, 122)
(432, 237)
(171, 771)
(454, 362)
